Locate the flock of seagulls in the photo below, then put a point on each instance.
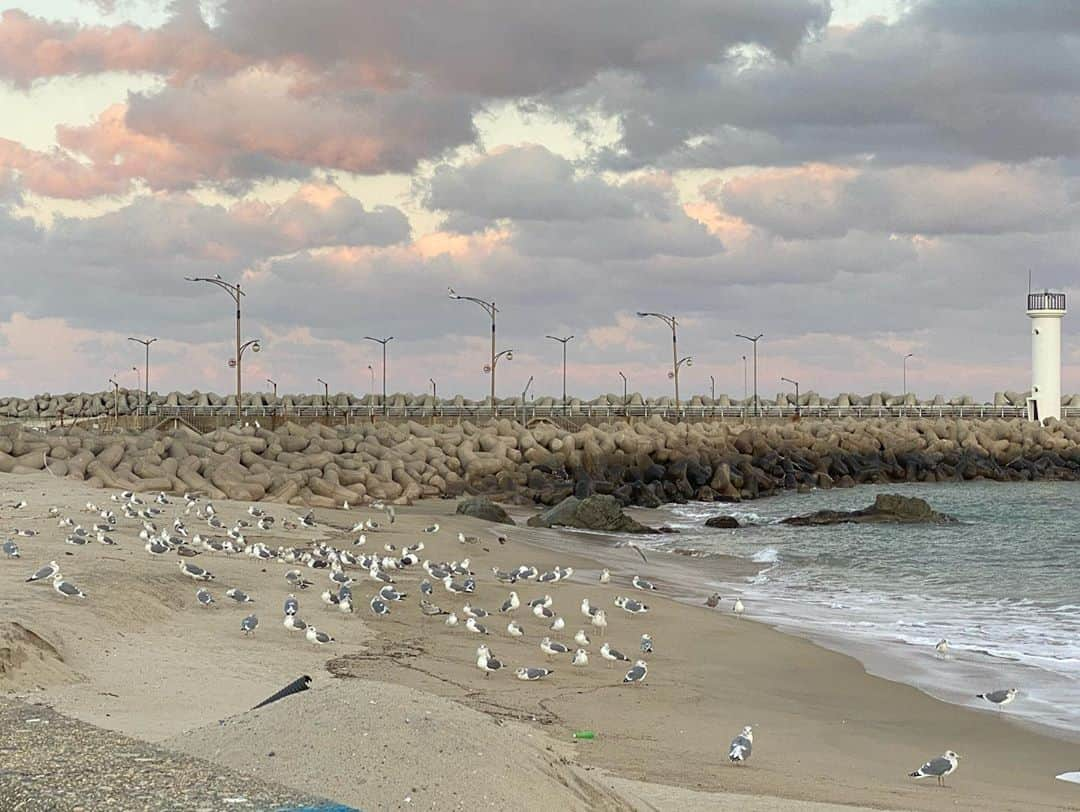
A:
(347, 565)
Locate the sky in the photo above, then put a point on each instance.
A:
(856, 180)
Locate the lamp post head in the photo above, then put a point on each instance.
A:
(509, 355)
(487, 368)
(256, 347)
(232, 362)
(689, 362)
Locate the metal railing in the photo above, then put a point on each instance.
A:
(1046, 301)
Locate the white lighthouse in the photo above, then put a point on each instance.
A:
(1045, 310)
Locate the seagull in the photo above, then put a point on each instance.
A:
(451, 619)
(646, 644)
(551, 647)
(599, 620)
(26, 534)
(510, 604)
(432, 528)
(318, 638)
(11, 549)
(532, 674)
(425, 587)
(239, 596)
(713, 600)
(194, 572)
(473, 611)
(248, 624)
(641, 583)
(557, 625)
(19, 505)
(473, 626)
(542, 611)
(204, 597)
(612, 655)
(738, 608)
(468, 539)
(66, 588)
(634, 607)
(581, 638)
(388, 593)
(295, 623)
(605, 576)
(429, 608)
(581, 658)
(741, 746)
(1000, 698)
(46, 572)
(486, 662)
(545, 601)
(378, 606)
(586, 609)
(296, 578)
(942, 647)
(257, 512)
(514, 629)
(292, 606)
(939, 767)
(637, 673)
(156, 547)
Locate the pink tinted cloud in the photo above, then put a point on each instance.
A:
(34, 48)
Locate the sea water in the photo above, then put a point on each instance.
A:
(1002, 586)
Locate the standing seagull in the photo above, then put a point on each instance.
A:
(999, 698)
(741, 746)
(66, 588)
(641, 583)
(942, 648)
(248, 624)
(646, 644)
(713, 600)
(194, 572)
(939, 767)
(612, 655)
(11, 549)
(638, 673)
(738, 608)
(46, 572)
(605, 576)
(581, 658)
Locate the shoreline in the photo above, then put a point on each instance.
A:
(710, 675)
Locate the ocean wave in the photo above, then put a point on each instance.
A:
(770, 555)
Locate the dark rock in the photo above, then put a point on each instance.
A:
(887, 507)
(723, 522)
(598, 512)
(480, 507)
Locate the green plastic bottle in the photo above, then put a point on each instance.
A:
(584, 734)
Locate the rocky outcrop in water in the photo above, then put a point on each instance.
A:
(722, 522)
(602, 513)
(888, 508)
(644, 463)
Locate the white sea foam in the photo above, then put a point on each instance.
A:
(770, 555)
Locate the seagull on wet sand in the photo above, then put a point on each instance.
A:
(612, 655)
(551, 647)
(938, 768)
(738, 608)
(646, 644)
(1000, 698)
(318, 638)
(486, 662)
(11, 549)
(194, 571)
(599, 620)
(204, 597)
(605, 576)
(248, 624)
(292, 605)
(741, 746)
(581, 658)
(514, 629)
(942, 647)
(582, 639)
(475, 627)
(239, 596)
(713, 600)
(641, 583)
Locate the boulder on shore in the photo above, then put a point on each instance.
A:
(599, 512)
(722, 522)
(887, 507)
(480, 507)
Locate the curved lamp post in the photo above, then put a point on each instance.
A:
(798, 411)
(116, 397)
(326, 392)
(674, 375)
(236, 294)
(146, 342)
(671, 322)
(491, 310)
(909, 355)
(753, 341)
(371, 388)
(564, 342)
(254, 346)
(524, 393)
(384, 342)
(625, 381)
(273, 384)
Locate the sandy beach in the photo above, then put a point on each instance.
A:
(400, 717)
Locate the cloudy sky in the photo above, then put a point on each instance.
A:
(856, 181)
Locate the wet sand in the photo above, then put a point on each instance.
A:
(141, 657)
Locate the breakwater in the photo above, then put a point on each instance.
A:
(644, 462)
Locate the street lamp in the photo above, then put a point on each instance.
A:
(798, 412)
(434, 390)
(273, 384)
(136, 371)
(909, 355)
(491, 310)
(564, 342)
(671, 322)
(116, 397)
(254, 346)
(384, 342)
(236, 294)
(146, 342)
(524, 393)
(625, 401)
(744, 378)
(712, 389)
(674, 375)
(326, 391)
(371, 389)
(753, 341)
